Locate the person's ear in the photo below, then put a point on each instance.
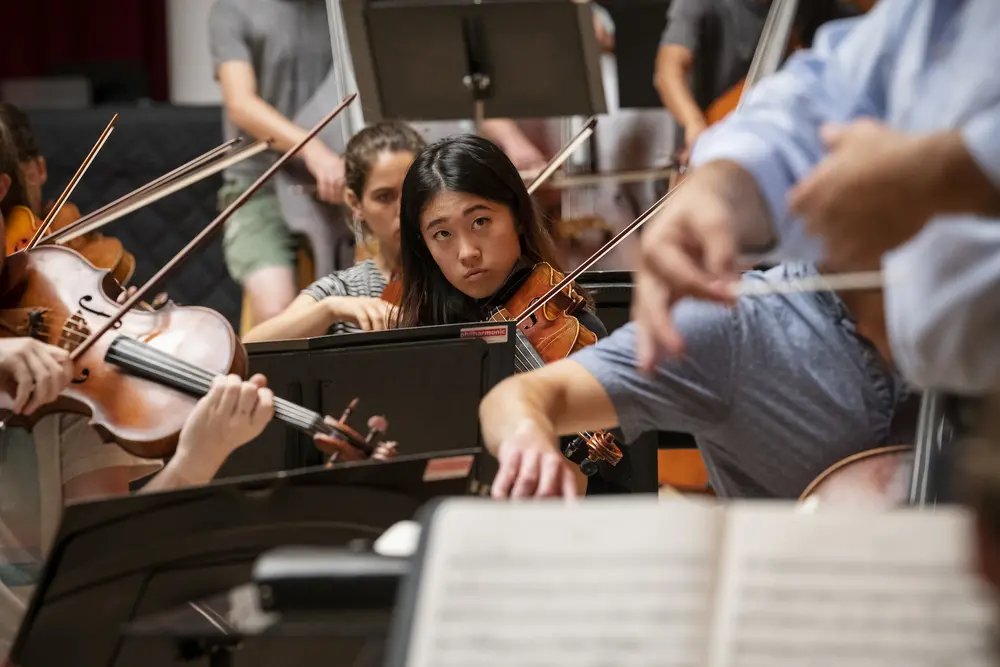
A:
(43, 171)
(354, 202)
(5, 183)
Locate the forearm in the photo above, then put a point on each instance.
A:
(955, 178)
(182, 472)
(261, 120)
(303, 321)
(562, 398)
(672, 85)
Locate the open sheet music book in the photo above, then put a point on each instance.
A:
(633, 582)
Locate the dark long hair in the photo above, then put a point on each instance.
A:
(472, 165)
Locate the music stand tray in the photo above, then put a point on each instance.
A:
(119, 559)
(452, 59)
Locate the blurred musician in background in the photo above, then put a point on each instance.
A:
(522, 149)
(12, 190)
(377, 160)
(34, 172)
(270, 57)
(706, 50)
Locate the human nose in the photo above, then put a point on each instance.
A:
(469, 253)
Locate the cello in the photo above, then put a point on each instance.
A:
(52, 294)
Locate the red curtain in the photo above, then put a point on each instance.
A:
(40, 37)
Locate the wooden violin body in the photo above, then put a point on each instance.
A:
(553, 333)
(52, 294)
(102, 251)
(876, 479)
(552, 330)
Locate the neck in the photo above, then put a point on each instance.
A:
(386, 264)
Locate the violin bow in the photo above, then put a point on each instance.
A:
(564, 153)
(205, 234)
(91, 222)
(180, 171)
(64, 197)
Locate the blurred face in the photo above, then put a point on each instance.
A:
(379, 204)
(474, 241)
(34, 174)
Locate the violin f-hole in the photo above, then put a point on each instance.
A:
(86, 298)
(80, 379)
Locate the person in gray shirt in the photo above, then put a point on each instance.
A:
(774, 391)
(270, 57)
(707, 47)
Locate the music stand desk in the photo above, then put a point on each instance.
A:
(119, 559)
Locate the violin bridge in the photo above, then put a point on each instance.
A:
(74, 332)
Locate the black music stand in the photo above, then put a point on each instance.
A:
(117, 560)
(442, 59)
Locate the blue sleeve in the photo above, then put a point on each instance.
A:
(775, 134)
(943, 307)
(689, 395)
(982, 139)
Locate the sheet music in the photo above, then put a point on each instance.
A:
(623, 582)
(890, 589)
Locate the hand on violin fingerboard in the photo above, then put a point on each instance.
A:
(231, 414)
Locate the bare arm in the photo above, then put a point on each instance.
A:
(505, 133)
(249, 112)
(253, 115)
(673, 67)
(305, 317)
(561, 399)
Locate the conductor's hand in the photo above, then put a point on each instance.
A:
(328, 169)
(35, 371)
(531, 465)
(687, 250)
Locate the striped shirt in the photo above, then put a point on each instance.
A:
(362, 279)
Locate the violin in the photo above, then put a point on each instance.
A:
(550, 333)
(139, 382)
(53, 294)
(102, 251)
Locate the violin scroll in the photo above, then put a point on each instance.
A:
(340, 435)
(589, 449)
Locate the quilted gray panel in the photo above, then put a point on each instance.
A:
(147, 142)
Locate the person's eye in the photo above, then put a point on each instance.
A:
(441, 235)
(480, 222)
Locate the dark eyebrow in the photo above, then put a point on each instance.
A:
(472, 209)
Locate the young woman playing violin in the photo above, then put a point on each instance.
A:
(472, 242)
(470, 236)
(377, 159)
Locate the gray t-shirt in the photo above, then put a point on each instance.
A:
(723, 35)
(774, 391)
(288, 44)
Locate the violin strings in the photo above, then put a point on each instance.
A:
(191, 377)
(526, 358)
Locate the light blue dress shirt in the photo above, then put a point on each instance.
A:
(919, 66)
